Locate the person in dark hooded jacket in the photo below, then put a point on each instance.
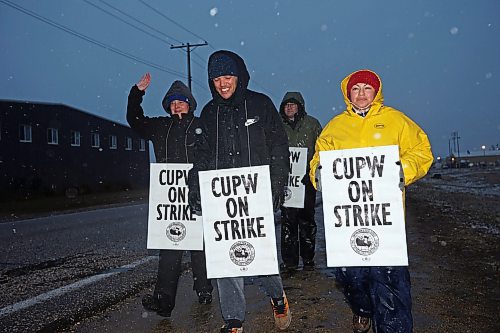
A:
(173, 140)
(298, 227)
(241, 128)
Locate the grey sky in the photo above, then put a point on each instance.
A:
(439, 60)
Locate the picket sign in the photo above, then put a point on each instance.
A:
(238, 222)
(171, 224)
(363, 207)
(295, 190)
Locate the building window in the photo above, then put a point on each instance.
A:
(75, 138)
(129, 143)
(112, 142)
(142, 145)
(95, 142)
(24, 133)
(52, 136)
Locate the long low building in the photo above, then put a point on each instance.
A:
(53, 149)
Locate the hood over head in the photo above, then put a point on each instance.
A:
(178, 91)
(293, 97)
(225, 62)
(359, 77)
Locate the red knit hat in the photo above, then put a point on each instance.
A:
(363, 77)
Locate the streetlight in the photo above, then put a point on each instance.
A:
(483, 147)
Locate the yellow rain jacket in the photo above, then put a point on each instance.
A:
(382, 126)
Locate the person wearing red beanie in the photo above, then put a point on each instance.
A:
(362, 88)
(377, 295)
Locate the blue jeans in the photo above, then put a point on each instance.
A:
(232, 295)
(380, 293)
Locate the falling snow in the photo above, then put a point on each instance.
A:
(214, 11)
(454, 30)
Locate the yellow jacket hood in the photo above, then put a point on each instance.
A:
(382, 126)
(378, 101)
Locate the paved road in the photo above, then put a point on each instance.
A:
(90, 270)
(60, 268)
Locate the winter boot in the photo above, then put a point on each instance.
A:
(159, 303)
(360, 324)
(204, 297)
(309, 265)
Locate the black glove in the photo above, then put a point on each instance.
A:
(194, 201)
(401, 176)
(278, 193)
(317, 178)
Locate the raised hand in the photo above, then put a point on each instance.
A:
(144, 82)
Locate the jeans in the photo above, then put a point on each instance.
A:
(232, 295)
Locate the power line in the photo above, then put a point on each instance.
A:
(122, 20)
(179, 25)
(139, 21)
(91, 40)
(136, 27)
(170, 20)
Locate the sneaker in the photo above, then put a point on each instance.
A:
(360, 324)
(281, 312)
(309, 265)
(233, 326)
(204, 297)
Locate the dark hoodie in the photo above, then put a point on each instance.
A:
(304, 129)
(173, 138)
(244, 130)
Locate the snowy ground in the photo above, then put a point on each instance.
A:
(484, 182)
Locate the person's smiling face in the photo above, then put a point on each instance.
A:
(226, 85)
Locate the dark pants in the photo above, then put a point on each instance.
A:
(298, 230)
(169, 270)
(380, 293)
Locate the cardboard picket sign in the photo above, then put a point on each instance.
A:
(171, 224)
(238, 222)
(294, 189)
(363, 207)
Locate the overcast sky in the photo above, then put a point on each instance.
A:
(439, 60)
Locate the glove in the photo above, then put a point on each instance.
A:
(278, 193)
(194, 201)
(317, 177)
(401, 176)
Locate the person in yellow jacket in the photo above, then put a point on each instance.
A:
(375, 294)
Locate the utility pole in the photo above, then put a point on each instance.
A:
(455, 138)
(188, 47)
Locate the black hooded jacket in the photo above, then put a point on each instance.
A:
(244, 130)
(173, 138)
